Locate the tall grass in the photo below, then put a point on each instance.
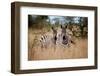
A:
(35, 52)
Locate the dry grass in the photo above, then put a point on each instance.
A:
(35, 52)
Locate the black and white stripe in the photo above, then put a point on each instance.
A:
(44, 40)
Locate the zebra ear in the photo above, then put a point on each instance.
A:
(61, 26)
(52, 28)
(66, 26)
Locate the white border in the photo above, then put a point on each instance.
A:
(25, 64)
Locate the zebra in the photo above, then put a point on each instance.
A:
(65, 35)
(57, 38)
(44, 41)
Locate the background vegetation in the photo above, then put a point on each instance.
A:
(78, 25)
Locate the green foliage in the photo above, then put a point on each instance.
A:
(37, 21)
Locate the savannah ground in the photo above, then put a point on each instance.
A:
(35, 52)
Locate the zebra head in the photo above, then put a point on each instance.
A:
(54, 35)
(64, 35)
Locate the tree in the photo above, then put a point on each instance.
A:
(57, 21)
(69, 20)
(30, 20)
(37, 21)
(83, 22)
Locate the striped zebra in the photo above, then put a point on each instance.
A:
(56, 38)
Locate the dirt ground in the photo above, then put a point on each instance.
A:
(77, 50)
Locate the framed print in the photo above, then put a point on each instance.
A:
(52, 37)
